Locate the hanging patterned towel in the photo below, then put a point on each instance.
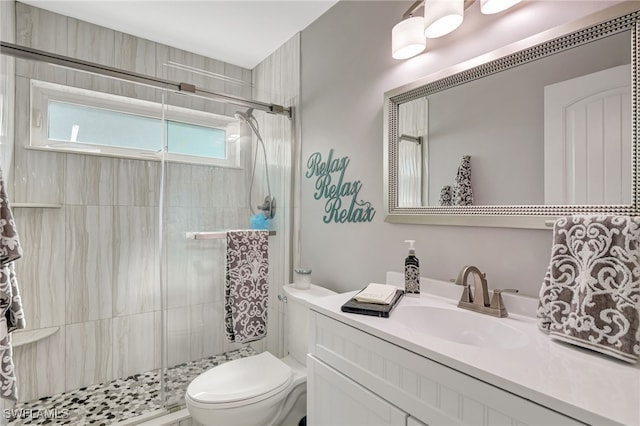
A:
(247, 285)
(590, 296)
(11, 314)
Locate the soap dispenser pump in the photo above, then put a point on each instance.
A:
(411, 271)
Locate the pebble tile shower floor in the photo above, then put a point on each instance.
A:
(121, 399)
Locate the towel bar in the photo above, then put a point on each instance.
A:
(212, 235)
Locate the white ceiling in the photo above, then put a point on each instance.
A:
(240, 32)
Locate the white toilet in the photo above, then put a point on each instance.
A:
(261, 389)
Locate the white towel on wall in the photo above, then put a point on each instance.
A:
(247, 285)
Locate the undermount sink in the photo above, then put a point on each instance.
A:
(459, 326)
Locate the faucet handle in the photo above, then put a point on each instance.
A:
(496, 300)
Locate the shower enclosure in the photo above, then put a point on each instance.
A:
(108, 178)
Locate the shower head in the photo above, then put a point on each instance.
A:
(246, 117)
(269, 206)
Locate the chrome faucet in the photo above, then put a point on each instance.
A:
(479, 300)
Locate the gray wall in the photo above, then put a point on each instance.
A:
(346, 68)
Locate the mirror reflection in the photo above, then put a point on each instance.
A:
(554, 131)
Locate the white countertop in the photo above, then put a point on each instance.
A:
(592, 388)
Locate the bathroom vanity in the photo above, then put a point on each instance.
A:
(435, 364)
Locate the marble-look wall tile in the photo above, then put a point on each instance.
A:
(7, 95)
(89, 180)
(176, 256)
(91, 43)
(237, 73)
(39, 176)
(89, 266)
(134, 54)
(214, 83)
(7, 102)
(135, 343)
(235, 194)
(197, 331)
(278, 133)
(41, 270)
(137, 182)
(42, 30)
(137, 55)
(214, 340)
(40, 367)
(88, 353)
(136, 268)
(8, 21)
(178, 336)
(206, 258)
(169, 61)
(207, 186)
(179, 189)
(236, 218)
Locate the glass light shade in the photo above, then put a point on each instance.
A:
(489, 7)
(407, 38)
(442, 16)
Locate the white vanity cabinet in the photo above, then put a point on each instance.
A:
(333, 398)
(357, 378)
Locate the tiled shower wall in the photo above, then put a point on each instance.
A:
(7, 96)
(277, 80)
(91, 266)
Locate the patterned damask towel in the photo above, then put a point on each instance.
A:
(247, 285)
(11, 314)
(590, 296)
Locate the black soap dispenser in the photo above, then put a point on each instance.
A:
(411, 271)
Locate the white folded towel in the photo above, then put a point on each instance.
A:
(381, 294)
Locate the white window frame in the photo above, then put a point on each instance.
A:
(42, 92)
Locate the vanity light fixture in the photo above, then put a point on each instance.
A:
(407, 38)
(489, 7)
(442, 16)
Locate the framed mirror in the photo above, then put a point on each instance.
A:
(542, 128)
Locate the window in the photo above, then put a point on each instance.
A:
(77, 120)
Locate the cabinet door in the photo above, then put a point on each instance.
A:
(335, 400)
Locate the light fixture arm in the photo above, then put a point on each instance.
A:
(413, 9)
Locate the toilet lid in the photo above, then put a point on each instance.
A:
(241, 379)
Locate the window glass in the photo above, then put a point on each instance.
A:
(97, 126)
(72, 119)
(190, 139)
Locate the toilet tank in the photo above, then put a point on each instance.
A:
(297, 319)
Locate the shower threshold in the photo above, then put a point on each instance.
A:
(117, 400)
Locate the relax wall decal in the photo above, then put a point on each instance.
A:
(341, 196)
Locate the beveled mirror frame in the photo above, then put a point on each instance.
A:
(621, 17)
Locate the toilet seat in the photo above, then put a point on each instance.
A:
(241, 382)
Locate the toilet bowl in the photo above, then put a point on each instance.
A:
(260, 389)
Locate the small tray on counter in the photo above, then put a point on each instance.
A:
(373, 309)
